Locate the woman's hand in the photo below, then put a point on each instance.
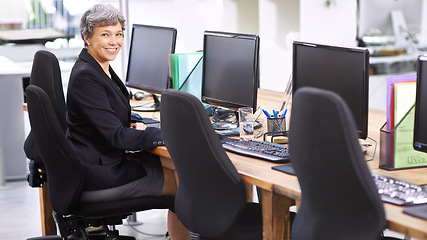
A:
(138, 126)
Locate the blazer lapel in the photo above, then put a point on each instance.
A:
(124, 92)
(114, 82)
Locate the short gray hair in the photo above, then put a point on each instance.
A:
(99, 16)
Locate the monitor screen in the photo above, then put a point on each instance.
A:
(230, 69)
(342, 70)
(148, 65)
(420, 122)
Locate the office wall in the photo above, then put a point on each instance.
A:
(12, 14)
(191, 18)
(278, 22)
(329, 21)
(271, 19)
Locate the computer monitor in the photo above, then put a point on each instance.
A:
(230, 69)
(420, 121)
(342, 70)
(148, 65)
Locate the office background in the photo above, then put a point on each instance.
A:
(278, 22)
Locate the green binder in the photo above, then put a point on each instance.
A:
(187, 73)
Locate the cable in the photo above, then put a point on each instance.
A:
(148, 234)
(375, 149)
(410, 35)
(259, 113)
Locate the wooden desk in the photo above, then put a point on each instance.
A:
(275, 206)
(396, 220)
(280, 190)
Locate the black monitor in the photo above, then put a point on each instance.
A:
(230, 69)
(148, 66)
(342, 70)
(420, 122)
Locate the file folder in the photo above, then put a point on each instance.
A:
(391, 80)
(187, 73)
(186, 69)
(397, 151)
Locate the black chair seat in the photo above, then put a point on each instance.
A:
(211, 197)
(339, 199)
(91, 210)
(65, 177)
(46, 74)
(249, 224)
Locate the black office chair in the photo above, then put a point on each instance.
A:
(211, 197)
(339, 198)
(46, 74)
(65, 179)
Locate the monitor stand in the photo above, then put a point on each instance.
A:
(148, 107)
(232, 123)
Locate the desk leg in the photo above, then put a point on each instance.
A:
(48, 223)
(249, 192)
(276, 218)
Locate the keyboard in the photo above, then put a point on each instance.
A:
(154, 125)
(399, 192)
(149, 122)
(264, 150)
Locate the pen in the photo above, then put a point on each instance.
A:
(266, 113)
(275, 113)
(284, 114)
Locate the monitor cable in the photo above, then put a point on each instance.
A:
(144, 233)
(375, 149)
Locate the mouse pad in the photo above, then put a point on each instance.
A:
(287, 168)
(417, 211)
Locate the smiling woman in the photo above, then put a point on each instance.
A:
(111, 152)
(102, 31)
(105, 44)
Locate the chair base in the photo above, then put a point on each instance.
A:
(91, 237)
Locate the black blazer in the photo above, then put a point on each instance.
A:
(99, 126)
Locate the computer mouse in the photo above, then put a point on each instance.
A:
(248, 128)
(135, 117)
(138, 95)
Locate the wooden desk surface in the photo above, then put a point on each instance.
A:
(258, 172)
(279, 190)
(397, 221)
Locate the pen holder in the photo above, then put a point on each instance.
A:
(276, 126)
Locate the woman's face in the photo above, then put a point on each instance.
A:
(105, 43)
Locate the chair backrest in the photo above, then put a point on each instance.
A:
(46, 74)
(339, 198)
(65, 180)
(211, 192)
